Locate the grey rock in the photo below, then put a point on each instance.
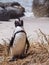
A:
(14, 12)
(4, 16)
(11, 10)
(40, 8)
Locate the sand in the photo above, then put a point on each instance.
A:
(38, 54)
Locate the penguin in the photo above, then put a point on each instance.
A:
(18, 41)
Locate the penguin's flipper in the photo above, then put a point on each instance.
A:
(11, 41)
(28, 45)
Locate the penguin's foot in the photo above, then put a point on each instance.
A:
(13, 59)
(22, 56)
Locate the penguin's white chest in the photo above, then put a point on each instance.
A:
(19, 44)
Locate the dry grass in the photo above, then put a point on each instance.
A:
(38, 53)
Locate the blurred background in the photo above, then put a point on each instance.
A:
(27, 4)
(37, 8)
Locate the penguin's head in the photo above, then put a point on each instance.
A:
(18, 23)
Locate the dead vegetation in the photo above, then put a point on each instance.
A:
(38, 53)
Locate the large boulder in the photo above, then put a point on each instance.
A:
(15, 12)
(13, 9)
(40, 8)
(11, 4)
(4, 16)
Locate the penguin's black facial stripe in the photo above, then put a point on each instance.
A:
(17, 24)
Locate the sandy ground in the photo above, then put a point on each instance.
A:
(38, 54)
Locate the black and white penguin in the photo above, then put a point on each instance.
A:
(18, 41)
